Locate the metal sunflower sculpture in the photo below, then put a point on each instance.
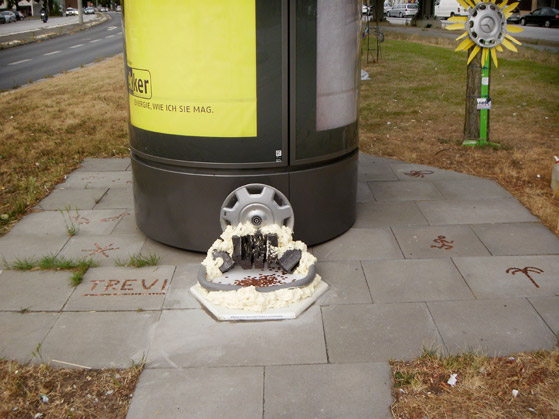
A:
(486, 30)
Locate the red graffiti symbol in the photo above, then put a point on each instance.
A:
(418, 173)
(116, 217)
(100, 250)
(526, 271)
(80, 220)
(444, 244)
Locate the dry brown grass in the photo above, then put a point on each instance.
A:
(413, 110)
(48, 128)
(484, 387)
(41, 391)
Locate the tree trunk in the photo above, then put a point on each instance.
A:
(473, 92)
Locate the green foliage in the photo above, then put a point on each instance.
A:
(139, 261)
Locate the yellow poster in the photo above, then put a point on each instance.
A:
(191, 66)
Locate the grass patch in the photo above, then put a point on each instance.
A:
(51, 262)
(484, 386)
(29, 390)
(71, 227)
(139, 261)
(418, 116)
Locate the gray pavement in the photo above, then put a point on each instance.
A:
(436, 259)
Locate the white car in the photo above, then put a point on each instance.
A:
(70, 11)
(89, 11)
(403, 10)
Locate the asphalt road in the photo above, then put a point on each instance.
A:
(21, 65)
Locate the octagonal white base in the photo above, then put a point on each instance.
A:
(284, 313)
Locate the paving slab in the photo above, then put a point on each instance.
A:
(56, 223)
(548, 309)
(171, 255)
(421, 173)
(34, 291)
(22, 333)
(510, 276)
(14, 248)
(385, 214)
(405, 191)
(87, 180)
(427, 242)
(468, 189)
(113, 289)
(104, 250)
(63, 198)
(360, 244)
(117, 198)
(378, 332)
(199, 393)
(346, 283)
(100, 339)
(406, 281)
(364, 193)
(475, 212)
(496, 327)
(127, 225)
(178, 294)
(340, 391)
(517, 239)
(103, 165)
(189, 338)
(375, 171)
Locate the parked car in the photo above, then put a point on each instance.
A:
(118, 9)
(387, 7)
(103, 9)
(544, 16)
(89, 11)
(515, 16)
(70, 11)
(8, 16)
(449, 8)
(403, 10)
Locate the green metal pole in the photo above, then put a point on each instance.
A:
(484, 113)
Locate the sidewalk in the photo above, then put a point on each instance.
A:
(436, 259)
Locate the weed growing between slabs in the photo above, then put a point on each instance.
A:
(50, 262)
(522, 385)
(139, 261)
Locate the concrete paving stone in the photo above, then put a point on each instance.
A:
(14, 248)
(417, 172)
(105, 289)
(100, 339)
(88, 180)
(385, 214)
(191, 338)
(40, 223)
(342, 391)
(104, 250)
(509, 276)
(360, 244)
(21, 333)
(475, 188)
(201, 393)
(103, 165)
(475, 212)
(365, 158)
(34, 291)
(364, 193)
(517, 239)
(375, 171)
(496, 327)
(405, 191)
(117, 198)
(82, 199)
(346, 283)
(178, 294)
(427, 242)
(171, 255)
(127, 225)
(378, 332)
(548, 309)
(406, 281)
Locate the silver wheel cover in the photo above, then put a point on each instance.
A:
(486, 25)
(257, 204)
